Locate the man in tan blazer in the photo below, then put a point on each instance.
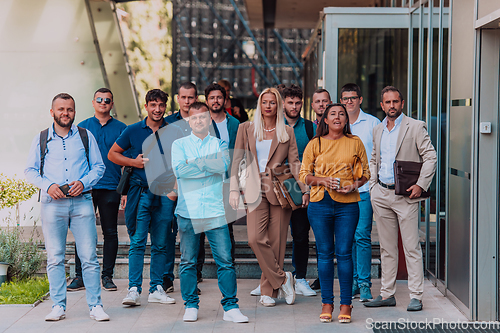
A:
(400, 138)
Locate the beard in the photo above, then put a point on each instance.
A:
(396, 115)
(219, 110)
(60, 122)
(289, 115)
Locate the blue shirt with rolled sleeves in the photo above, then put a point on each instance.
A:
(106, 136)
(199, 166)
(363, 129)
(65, 161)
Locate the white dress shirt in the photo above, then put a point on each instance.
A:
(363, 129)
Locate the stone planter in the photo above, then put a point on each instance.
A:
(3, 272)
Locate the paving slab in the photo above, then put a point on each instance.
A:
(303, 316)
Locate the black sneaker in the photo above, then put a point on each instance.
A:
(168, 285)
(315, 285)
(76, 284)
(107, 284)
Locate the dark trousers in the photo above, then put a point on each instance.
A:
(299, 224)
(108, 203)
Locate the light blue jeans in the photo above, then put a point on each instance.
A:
(78, 215)
(362, 246)
(220, 243)
(154, 215)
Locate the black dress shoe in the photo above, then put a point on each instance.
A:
(76, 284)
(315, 285)
(168, 285)
(378, 302)
(415, 305)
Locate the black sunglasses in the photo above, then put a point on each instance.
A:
(100, 99)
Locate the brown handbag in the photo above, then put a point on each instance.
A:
(286, 188)
(406, 174)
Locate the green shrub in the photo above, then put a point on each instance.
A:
(24, 257)
(24, 292)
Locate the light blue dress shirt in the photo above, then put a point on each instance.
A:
(363, 129)
(199, 166)
(388, 151)
(65, 161)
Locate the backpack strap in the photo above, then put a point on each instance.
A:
(43, 148)
(309, 129)
(85, 140)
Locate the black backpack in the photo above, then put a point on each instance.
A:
(43, 147)
(309, 129)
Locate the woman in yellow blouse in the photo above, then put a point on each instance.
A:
(334, 165)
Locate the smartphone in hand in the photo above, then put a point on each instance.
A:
(65, 189)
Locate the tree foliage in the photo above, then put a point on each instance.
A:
(146, 28)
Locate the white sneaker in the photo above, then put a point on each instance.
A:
(235, 316)
(133, 297)
(267, 301)
(56, 314)
(97, 313)
(191, 314)
(288, 289)
(160, 296)
(302, 288)
(256, 291)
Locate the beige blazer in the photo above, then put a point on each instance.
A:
(413, 144)
(278, 154)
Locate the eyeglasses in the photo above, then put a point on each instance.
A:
(100, 100)
(346, 99)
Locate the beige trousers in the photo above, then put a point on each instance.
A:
(390, 211)
(267, 228)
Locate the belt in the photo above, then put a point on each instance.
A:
(389, 187)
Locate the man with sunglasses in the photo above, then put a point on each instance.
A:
(362, 125)
(106, 130)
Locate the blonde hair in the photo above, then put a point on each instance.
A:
(281, 133)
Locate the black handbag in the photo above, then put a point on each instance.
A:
(124, 184)
(406, 174)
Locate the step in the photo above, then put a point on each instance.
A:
(242, 250)
(246, 268)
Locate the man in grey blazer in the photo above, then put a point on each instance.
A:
(400, 138)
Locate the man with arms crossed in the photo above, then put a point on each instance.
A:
(199, 162)
(71, 165)
(106, 130)
(147, 212)
(362, 125)
(400, 138)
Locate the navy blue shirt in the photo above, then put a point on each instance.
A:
(132, 139)
(106, 136)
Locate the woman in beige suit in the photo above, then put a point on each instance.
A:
(266, 143)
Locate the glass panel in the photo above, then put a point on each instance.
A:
(373, 59)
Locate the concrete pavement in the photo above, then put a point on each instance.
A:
(303, 316)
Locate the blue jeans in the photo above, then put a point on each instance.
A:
(78, 215)
(154, 215)
(334, 220)
(172, 235)
(362, 246)
(220, 243)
